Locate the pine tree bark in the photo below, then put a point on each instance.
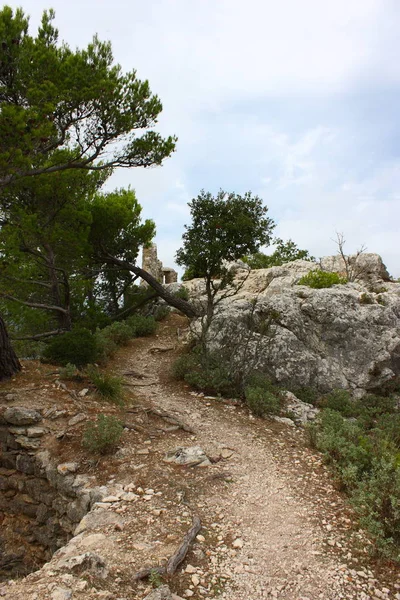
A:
(9, 363)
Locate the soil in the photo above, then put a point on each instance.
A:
(273, 523)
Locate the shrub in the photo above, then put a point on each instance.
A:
(119, 332)
(141, 326)
(307, 394)
(105, 346)
(262, 402)
(377, 502)
(339, 400)
(161, 312)
(182, 293)
(68, 372)
(103, 435)
(364, 454)
(78, 347)
(321, 279)
(107, 386)
(205, 373)
(366, 299)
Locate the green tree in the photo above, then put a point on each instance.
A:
(63, 109)
(223, 229)
(284, 252)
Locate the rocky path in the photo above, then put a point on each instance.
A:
(282, 530)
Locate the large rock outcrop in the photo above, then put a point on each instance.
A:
(346, 336)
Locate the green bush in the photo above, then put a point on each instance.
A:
(161, 312)
(377, 502)
(306, 394)
(321, 279)
(103, 435)
(262, 402)
(69, 372)
(364, 453)
(77, 347)
(339, 400)
(205, 373)
(120, 332)
(105, 345)
(107, 386)
(366, 299)
(182, 293)
(141, 326)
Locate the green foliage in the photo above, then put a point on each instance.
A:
(161, 312)
(76, 347)
(340, 401)
(364, 453)
(119, 332)
(105, 346)
(70, 371)
(141, 326)
(223, 228)
(366, 299)
(321, 279)
(306, 394)
(182, 293)
(205, 372)
(103, 435)
(285, 252)
(108, 387)
(262, 397)
(155, 579)
(45, 85)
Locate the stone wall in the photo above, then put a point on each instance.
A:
(41, 503)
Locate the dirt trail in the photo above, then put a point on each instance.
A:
(282, 529)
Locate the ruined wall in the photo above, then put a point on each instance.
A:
(154, 266)
(41, 503)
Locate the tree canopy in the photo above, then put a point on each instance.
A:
(284, 252)
(223, 228)
(52, 97)
(65, 114)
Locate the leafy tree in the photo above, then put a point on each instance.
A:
(44, 244)
(63, 109)
(223, 229)
(284, 252)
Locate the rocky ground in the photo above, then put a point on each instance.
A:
(273, 524)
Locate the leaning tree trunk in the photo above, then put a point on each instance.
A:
(188, 309)
(9, 363)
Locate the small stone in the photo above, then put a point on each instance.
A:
(195, 580)
(76, 419)
(61, 594)
(238, 543)
(226, 453)
(200, 538)
(110, 499)
(189, 593)
(66, 468)
(83, 392)
(190, 569)
(143, 452)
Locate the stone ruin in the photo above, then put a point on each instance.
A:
(154, 266)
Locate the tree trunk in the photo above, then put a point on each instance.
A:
(169, 298)
(9, 363)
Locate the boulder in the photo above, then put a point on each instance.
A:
(323, 338)
(193, 456)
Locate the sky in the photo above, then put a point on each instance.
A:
(296, 101)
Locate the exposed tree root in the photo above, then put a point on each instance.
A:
(177, 558)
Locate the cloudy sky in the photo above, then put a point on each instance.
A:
(295, 100)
